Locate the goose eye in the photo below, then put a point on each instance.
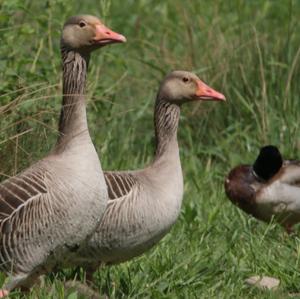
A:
(185, 79)
(82, 24)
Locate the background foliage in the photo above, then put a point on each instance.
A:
(249, 50)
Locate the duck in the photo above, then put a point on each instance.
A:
(144, 204)
(268, 189)
(49, 210)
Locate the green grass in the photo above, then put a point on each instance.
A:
(249, 50)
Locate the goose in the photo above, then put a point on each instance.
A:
(50, 209)
(270, 188)
(144, 204)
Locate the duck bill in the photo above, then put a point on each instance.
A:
(206, 93)
(105, 36)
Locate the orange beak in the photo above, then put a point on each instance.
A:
(206, 93)
(105, 36)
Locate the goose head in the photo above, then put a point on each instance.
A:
(180, 86)
(87, 33)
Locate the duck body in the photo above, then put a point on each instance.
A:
(276, 195)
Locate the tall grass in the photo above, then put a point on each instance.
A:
(249, 50)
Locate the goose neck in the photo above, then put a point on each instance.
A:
(73, 120)
(166, 119)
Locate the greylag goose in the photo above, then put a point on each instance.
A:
(268, 188)
(49, 210)
(144, 204)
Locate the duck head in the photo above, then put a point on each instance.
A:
(268, 162)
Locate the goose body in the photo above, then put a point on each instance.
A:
(48, 211)
(144, 204)
(142, 207)
(268, 189)
(41, 215)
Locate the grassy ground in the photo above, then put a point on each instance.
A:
(249, 50)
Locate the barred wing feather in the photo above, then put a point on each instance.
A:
(119, 184)
(17, 190)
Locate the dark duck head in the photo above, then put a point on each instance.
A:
(268, 162)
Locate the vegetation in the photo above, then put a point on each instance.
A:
(248, 50)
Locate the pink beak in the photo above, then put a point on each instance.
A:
(105, 36)
(206, 93)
